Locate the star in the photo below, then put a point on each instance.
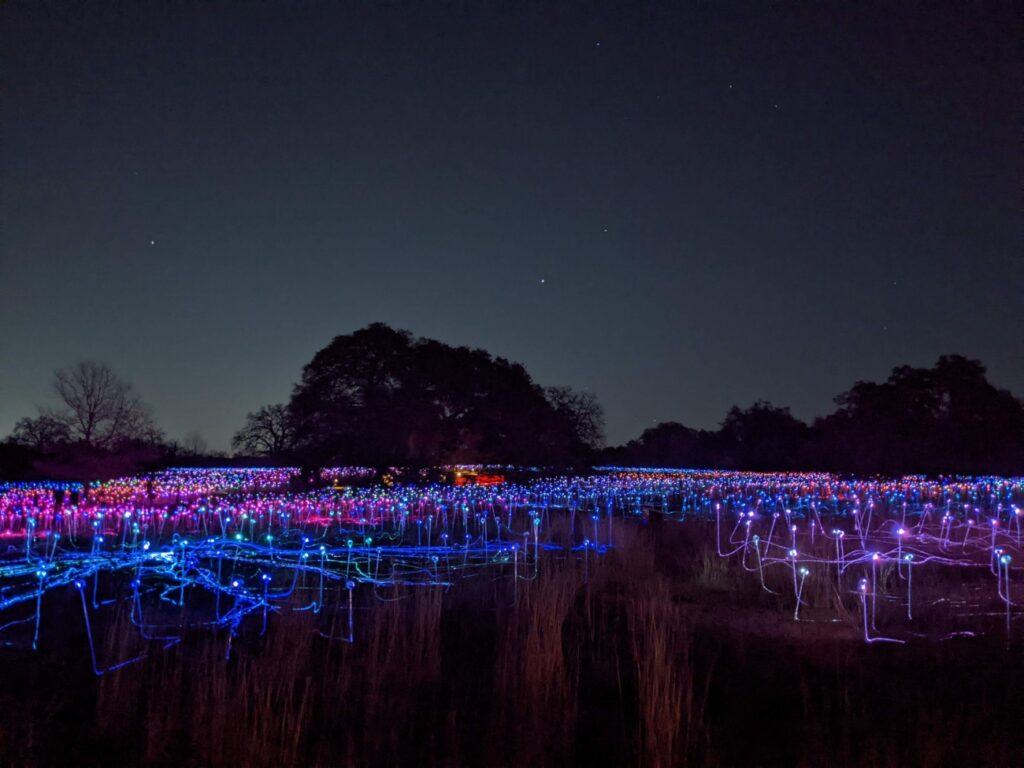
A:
(542, 281)
(152, 242)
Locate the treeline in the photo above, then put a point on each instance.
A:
(378, 396)
(382, 397)
(947, 419)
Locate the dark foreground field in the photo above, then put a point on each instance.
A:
(657, 653)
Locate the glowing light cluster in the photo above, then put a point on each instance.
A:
(228, 544)
(871, 539)
(226, 549)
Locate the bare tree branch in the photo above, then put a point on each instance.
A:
(583, 411)
(100, 409)
(267, 432)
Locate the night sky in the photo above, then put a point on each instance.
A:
(679, 207)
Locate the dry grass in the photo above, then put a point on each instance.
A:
(663, 655)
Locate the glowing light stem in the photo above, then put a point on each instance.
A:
(796, 611)
(181, 597)
(910, 584)
(746, 543)
(1003, 563)
(220, 562)
(739, 522)
(874, 588)
(350, 585)
(39, 609)
(760, 563)
(515, 572)
(266, 604)
(718, 530)
(839, 560)
(792, 563)
(862, 591)
(320, 590)
(771, 530)
(29, 527)
(88, 628)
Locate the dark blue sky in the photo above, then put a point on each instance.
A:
(724, 201)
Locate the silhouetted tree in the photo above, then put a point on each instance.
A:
(583, 411)
(194, 444)
(99, 428)
(97, 409)
(764, 437)
(267, 432)
(44, 433)
(948, 418)
(381, 396)
(669, 444)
